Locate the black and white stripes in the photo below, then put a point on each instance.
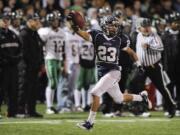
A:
(148, 49)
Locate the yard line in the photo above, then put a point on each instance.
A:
(32, 122)
(74, 121)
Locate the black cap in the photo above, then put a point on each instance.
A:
(34, 16)
(145, 22)
(5, 15)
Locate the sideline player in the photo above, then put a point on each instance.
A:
(54, 39)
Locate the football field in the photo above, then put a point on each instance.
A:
(65, 124)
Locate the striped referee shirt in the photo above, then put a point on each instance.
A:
(152, 54)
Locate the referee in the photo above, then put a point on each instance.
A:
(148, 48)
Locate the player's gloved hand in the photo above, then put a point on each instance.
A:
(71, 18)
(139, 66)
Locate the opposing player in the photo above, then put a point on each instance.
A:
(86, 76)
(54, 38)
(108, 48)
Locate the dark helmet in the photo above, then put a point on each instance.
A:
(145, 22)
(33, 16)
(5, 15)
(110, 25)
(175, 16)
(158, 21)
(118, 13)
(18, 14)
(54, 15)
(104, 11)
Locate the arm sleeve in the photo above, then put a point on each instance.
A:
(93, 34)
(125, 42)
(43, 34)
(156, 43)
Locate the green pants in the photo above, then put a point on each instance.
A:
(53, 72)
(86, 78)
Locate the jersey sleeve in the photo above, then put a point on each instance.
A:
(125, 42)
(93, 34)
(43, 32)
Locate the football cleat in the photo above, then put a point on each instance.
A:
(49, 111)
(171, 111)
(146, 101)
(177, 113)
(85, 125)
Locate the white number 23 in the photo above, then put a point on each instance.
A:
(103, 53)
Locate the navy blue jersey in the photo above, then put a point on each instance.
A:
(126, 61)
(107, 51)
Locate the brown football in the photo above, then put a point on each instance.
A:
(78, 19)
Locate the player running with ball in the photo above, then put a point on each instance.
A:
(108, 47)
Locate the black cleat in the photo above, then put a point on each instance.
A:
(171, 111)
(35, 115)
(85, 125)
(54, 110)
(145, 100)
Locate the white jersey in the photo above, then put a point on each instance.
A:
(54, 43)
(73, 42)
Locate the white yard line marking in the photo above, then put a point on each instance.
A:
(74, 121)
(32, 122)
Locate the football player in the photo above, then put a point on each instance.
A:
(54, 39)
(108, 48)
(87, 73)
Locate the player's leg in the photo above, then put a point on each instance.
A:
(77, 91)
(118, 97)
(103, 85)
(52, 67)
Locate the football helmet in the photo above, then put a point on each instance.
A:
(18, 14)
(55, 15)
(110, 26)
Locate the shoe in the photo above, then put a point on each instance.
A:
(87, 108)
(35, 115)
(79, 109)
(11, 115)
(171, 111)
(145, 114)
(177, 113)
(146, 101)
(53, 109)
(109, 115)
(49, 111)
(85, 125)
(21, 115)
(166, 114)
(64, 110)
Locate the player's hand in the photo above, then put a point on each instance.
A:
(139, 66)
(71, 19)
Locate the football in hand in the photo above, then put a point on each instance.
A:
(77, 19)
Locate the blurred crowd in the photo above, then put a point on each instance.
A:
(23, 78)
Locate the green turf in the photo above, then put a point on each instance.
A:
(65, 124)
